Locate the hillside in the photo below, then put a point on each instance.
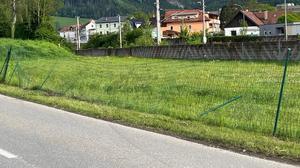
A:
(60, 22)
(98, 8)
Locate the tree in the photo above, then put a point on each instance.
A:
(24, 17)
(291, 17)
(184, 32)
(227, 13)
(14, 19)
(5, 15)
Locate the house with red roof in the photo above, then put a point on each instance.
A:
(250, 23)
(191, 19)
(85, 31)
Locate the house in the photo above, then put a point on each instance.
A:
(69, 33)
(249, 23)
(175, 20)
(106, 25)
(87, 30)
(136, 23)
(279, 29)
(291, 7)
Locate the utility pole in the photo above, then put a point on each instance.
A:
(14, 19)
(120, 31)
(204, 22)
(158, 22)
(286, 21)
(78, 34)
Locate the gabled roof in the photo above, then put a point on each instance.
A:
(111, 19)
(88, 23)
(69, 28)
(183, 12)
(252, 17)
(260, 18)
(272, 17)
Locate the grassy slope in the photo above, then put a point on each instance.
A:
(165, 95)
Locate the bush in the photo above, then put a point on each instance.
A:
(4, 29)
(233, 38)
(195, 38)
(132, 36)
(46, 32)
(103, 41)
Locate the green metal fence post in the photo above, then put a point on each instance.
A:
(5, 68)
(289, 52)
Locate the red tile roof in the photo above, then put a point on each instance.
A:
(69, 28)
(179, 12)
(271, 17)
(261, 18)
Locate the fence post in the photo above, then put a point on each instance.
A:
(281, 90)
(5, 66)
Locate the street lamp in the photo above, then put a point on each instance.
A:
(203, 18)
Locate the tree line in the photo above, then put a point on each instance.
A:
(28, 19)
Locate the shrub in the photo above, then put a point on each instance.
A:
(103, 41)
(233, 38)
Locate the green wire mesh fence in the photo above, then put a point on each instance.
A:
(174, 88)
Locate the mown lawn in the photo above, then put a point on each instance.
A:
(179, 90)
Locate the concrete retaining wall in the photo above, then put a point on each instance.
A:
(228, 51)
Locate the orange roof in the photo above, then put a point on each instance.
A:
(181, 12)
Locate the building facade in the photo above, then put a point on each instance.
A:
(175, 21)
(291, 7)
(106, 25)
(69, 33)
(87, 30)
(279, 29)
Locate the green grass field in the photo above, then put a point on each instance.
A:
(60, 22)
(177, 89)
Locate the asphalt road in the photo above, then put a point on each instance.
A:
(36, 136)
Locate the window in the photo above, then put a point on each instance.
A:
(171, 27)
(270, 33)
(107, 25)
(107, 32)
(233, 33)
(265, 33)
(101, 32)
(100, 26)
(115, 25)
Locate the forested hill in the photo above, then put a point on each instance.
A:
(98, 8)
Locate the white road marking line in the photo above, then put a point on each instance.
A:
(7, 154)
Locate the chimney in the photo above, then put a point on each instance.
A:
(266, 15)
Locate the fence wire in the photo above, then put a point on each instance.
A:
(179, 89)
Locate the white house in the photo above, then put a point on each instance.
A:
(87, 30)
(69, 33)
(106, 25)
